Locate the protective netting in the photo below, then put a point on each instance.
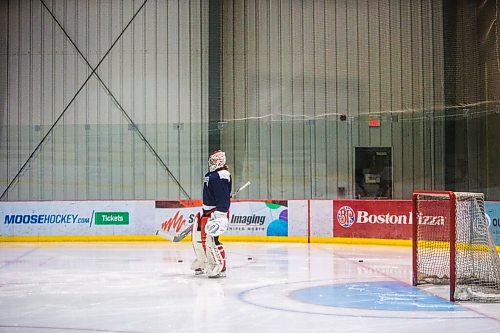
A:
(475, 261)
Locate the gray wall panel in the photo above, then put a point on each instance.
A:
(155, 74)
(365, 59)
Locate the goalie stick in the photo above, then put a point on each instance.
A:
(240, 189)
(172, 237)
(181, 235)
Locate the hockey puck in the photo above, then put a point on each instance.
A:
(180, 260)
(250, 258)
(360, 260)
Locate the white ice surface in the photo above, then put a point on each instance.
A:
(142, 287)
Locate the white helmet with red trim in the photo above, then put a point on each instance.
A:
(216, 160)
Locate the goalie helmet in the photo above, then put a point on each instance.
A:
(216, 160)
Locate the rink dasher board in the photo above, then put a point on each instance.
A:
(250, 220)
(140, 219)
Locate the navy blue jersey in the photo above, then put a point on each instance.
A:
(217, 190)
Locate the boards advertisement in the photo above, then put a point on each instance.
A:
(257, 218)
(382, 219)
(63, 218)
(493, 210)
(385, 219)
(246, 218)
(391, 219)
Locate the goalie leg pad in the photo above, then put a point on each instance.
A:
(201, 260)
(216, 257)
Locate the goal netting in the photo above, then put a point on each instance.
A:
(452, 245)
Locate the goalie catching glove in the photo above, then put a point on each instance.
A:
(217, 224)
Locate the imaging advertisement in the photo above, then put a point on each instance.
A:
(247, 218)
(254, 218)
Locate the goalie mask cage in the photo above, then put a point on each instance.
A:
(452, 245)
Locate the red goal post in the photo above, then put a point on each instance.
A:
(451, 244)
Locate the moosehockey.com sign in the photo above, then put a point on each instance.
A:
(390, 219)
(74, 218)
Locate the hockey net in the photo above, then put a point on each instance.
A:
(452, 245)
